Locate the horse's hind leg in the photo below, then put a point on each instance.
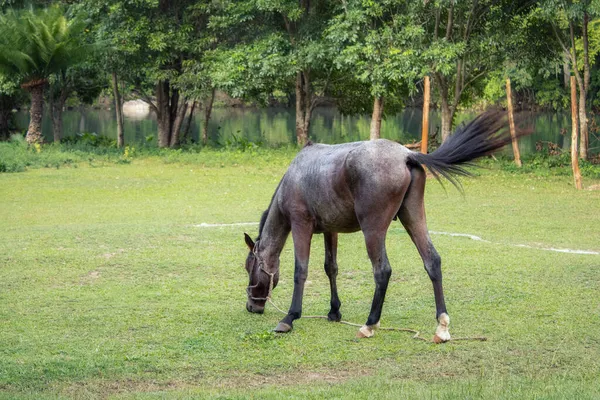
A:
(375, 241)
(331, 269)
(412, 216)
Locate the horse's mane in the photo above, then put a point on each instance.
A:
(265, 214)
(263, 219)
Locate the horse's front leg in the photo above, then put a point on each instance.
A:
(302, 235)
(331, 269)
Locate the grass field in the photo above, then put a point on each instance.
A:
(110, 289)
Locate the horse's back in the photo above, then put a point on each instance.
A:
(331, 183)
(379, 171)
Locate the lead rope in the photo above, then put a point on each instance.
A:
(417, 334)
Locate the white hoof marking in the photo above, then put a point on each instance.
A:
(367, 331)
(441, 333)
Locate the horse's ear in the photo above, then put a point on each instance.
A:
(249, 241)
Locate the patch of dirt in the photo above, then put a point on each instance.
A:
(89, 278)
(108, 256)
(593, 187)
(292, 378)
(106, 389)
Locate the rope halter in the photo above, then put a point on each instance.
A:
(271, 278)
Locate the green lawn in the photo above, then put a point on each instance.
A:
(108, 288)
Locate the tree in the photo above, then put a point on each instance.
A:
(277, 45)
(458, 48)
(84, 80)
(151, 42)
(34, 44)
(377, 44)
(574, 17)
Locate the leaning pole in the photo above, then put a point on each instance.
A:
(511, 124)
(425, 127)
(575, 135)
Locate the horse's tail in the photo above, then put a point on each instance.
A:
(482, 136)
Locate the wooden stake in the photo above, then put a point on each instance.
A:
(425, 128)
(574, 135)
(511, 124)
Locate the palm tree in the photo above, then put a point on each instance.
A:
(35, 44)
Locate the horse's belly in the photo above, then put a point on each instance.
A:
(336, 220)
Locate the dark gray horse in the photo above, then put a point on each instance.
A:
(360, 186)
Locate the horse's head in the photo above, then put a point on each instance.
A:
(261, 281)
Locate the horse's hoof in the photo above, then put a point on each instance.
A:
(438, 340)
(334, 317)
(367, 331)
(282, 327)
(442, 335)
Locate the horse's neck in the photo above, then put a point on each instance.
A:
(273, 236)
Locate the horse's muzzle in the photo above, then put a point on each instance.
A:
(255, 308)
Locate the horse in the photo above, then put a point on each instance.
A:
(343, 188)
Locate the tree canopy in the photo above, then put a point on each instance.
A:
(359, 55)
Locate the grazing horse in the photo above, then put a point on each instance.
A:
(333, 189)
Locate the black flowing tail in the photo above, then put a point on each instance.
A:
(483, 136)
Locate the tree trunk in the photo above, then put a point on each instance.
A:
(375, 132)
(185, 138)
(119, 110)
(57, 105)
(34, 132)
(163, 113)
(447, 112)
(446, 120)
(566, 72)
(170, 113)
(178, 122)
(303, 107)
(207, 111)
(583, 125)
(5, 116)
(584, 139)
(56, 109)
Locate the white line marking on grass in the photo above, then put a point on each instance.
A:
(479, 239)
(467, 235)
(453, 234)
(205, 225)
(570, 251)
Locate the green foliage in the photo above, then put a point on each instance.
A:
(17, 156)
(267, 43)
(89, 139)
(240, 143)
(545, 164)
(37, 43)
(551, 94)
(376, 45)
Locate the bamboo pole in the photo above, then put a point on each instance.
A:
(574, 135)
(425, 127)
(511, 124)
